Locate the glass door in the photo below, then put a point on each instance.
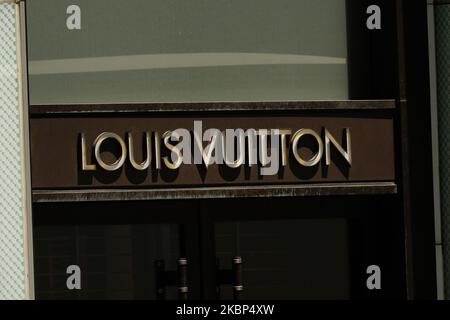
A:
(259, 248)
(284, 259)
(122, 251)
(302, 248)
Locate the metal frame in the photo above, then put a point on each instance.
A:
(25, 148)
(435, 148)
(415, 163)
(280, 106)
(215, 192)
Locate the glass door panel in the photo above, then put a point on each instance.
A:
(123, 250)
(116, 261)
(286, 259)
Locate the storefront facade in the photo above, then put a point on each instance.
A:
(302, 143)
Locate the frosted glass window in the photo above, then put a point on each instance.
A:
(187, 51)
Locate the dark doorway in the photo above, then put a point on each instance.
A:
(271, 248)
(125, 250)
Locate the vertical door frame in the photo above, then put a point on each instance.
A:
(415, 137)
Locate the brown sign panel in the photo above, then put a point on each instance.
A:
(94, 152)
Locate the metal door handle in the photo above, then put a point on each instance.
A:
(237, 278)
(233, 277)
(182, 279)
(177, 278)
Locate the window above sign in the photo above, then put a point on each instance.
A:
(111, 51)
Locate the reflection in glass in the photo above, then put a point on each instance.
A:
(116, 261)
(286, 259)
(187, 51)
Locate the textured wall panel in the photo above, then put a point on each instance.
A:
(442, 21)
(12, 259)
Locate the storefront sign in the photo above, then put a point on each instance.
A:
(234, 148)
(164, 151)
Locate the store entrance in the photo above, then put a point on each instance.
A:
(125, 250)
(259, 248)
